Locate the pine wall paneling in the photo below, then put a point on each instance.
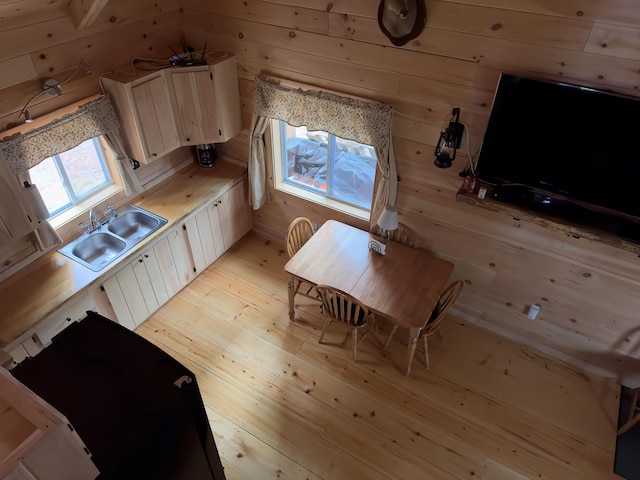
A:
(587, 289)
(123, 30)
(41, 41)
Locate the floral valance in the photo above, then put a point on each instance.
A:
(366, 122)
(25, 151)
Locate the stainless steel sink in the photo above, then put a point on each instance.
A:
(134, 225)
(99, 248)
(115, 237)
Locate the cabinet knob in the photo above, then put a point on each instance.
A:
(68, 319)
(140, 260)
(146, 255)
(188, 139)
(154, 154)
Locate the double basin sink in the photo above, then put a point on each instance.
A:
(114, 238)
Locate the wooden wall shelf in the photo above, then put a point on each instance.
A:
(552, 223)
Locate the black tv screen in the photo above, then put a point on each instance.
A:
(572, 151)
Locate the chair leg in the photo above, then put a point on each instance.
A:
(355, 342)
(324, 329)
(386, 344)
(426, 351)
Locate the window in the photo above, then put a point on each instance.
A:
(66, 179)
(321, 164)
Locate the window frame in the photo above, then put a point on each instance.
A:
(67, 223)
(75, 200)
(274, 141)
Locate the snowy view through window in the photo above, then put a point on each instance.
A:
(328, 165)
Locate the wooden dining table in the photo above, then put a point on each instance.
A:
(403, 285)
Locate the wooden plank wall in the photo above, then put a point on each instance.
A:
(587, 291)
(38, 40)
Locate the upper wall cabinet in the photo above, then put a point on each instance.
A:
(206, 102)
(173, 107)
(147, 125)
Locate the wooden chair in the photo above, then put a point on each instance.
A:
(401, 235)
(432, 325)
(634, 413)
(299, 232)
(342, 307)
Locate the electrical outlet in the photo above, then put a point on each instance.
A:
(534, 309)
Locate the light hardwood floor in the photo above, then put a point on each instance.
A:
(282, 406)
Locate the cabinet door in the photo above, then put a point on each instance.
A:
(216, 226)
(195, 243)
(205, 235)
(179, 245)
(147, 282)
(225, 77)
(155, 117)
(126, 297)
(167, 268)
(195, 100)
(235, 214)
(144, 285)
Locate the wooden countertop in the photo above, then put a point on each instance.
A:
(39, 289)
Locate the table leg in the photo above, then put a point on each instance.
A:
(292, 294)
(414, 333)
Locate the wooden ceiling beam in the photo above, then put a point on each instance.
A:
(85, 12)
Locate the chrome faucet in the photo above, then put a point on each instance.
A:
(94, 223)
(109, 214)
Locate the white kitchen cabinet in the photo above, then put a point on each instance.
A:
(178, 106)
(218, 225)
(132, 291)
(143, 105)
(149, 280)
(179, 253)
(236, 216)
(206, 102)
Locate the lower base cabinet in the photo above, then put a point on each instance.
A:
(218, 225)
(149, 281)
(158, 273)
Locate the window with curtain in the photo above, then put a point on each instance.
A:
(68, 178)
(363, 122)
(57, 146)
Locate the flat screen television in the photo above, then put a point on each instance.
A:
(566, 151)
